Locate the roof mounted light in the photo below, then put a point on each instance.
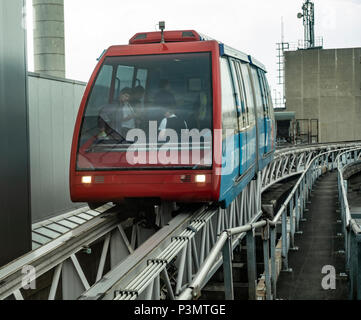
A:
(186, 34)
(168, 36)
(140, 36)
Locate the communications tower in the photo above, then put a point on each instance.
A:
(308, 16)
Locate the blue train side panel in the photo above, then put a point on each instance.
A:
(251, 149)
(238, 165)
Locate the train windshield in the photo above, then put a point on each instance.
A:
(151, 111)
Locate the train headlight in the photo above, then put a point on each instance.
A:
(86, 179)
(201, 178)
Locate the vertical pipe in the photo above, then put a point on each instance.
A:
(231, 215)
(292, 224)
(189, 261)
(301, 199)
(181, 270)
(251, 265)
(207, 226)
(55, 282)
(195, 254)
(297, 208)
(203, 244)
(348, 240)
(273, 260)
(103, 257)
(353, 266)
(358, 249)
(156, 288)
(266, 268)
(284, 241)
(219, 221)
(227, 269)
(149, 292)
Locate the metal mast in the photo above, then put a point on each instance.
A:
(308, 15)
(279, 99)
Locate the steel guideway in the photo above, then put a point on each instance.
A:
(193, 233)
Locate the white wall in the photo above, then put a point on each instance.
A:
(53, 107)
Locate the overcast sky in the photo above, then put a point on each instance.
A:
(252, 26)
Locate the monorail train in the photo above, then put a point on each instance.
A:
(172, 116)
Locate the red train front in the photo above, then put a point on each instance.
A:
(120, 148)
(184, 119)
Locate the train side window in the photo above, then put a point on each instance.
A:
(101, 91)
(100, 96)
(270, 103)
(141, 78)
(257, 92)
(264, 93)
(229, 113)
(249, 93)
(242, 121)
(268, 96)
(139, 88)
(123, 79)
(245, 109)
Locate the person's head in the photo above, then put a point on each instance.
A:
(125, 95)
(138, 92)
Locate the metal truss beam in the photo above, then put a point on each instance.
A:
(169, 260)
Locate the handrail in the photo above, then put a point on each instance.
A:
(349, 221)
(290, 196)
(351, 229)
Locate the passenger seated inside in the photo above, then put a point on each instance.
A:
(164, 97)
(162, 100)
(137, 97)
(136, 102)
(201, 117)
(115, 120)
(172, 121)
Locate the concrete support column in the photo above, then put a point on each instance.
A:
(15, 220)
(49, 40)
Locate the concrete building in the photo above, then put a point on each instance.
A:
(325, 85)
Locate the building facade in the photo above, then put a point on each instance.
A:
(324, 86)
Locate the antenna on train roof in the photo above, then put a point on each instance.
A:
(162, 27)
